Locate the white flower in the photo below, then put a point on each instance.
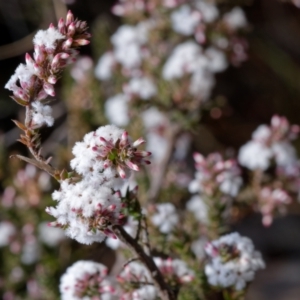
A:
(209, 11)
(184, 20)
(87, 210)
(202, 83)
(198, 207)
(236, 18)
(262, 133)
(166, 217)
(175, 269)
(30, 251)
(136, 272)
(284, 153)
(232, 261)
(86, 280)
(7, 231)
(116, 110)
(48, 38)
(255, 155)
(142, 87)
(51, 236)
(42, 115)
(217, 61)
(183, 60)
(104, 68)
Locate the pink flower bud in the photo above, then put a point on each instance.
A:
(70, 18)
(67, 44)
(61, 26)
(71, 29)
(138, 142)
(81, 42)
(52, 79)
(49, 89)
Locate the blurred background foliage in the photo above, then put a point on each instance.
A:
(267, 83)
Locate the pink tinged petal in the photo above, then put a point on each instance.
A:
(138, 142)
(124, 139)
(61, 26)
(52, 79)
(38, 70)
(108, 144)
(198, 158)
(109, 233)
(49, 89)
(142, 153)
(118, 194)
(131, 165)
(39, 54)
(67, 44)
(70, 18)
(29, 60)
(112, 207)
(121, 172)
(81, 42)
(71, 29)
(51, 25)
(41, 95)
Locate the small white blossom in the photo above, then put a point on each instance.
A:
(198, 207)
(236, 18)
(209, 11)
(232, 261)
(166, 218)
(116, 110)
(142, 87)
(7, 231)
(86, 280)
(184, 20)
(254, 155)
(48, 38)
(105, 65)
(51, 236)
(42, 115)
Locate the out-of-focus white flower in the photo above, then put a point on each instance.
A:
(81, 68)
(166, 218)
(232, 261)
(105, 65)
(86, 280)
(51, 236)
(184, 20)
(198, 207)
(141, 87)
(136, 272)
(235, 19)
(30, 251)
(254, 155)
(175, 270)
(209, 11)
(7, 231)
(116, 110)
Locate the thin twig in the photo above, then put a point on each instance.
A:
(165, 291)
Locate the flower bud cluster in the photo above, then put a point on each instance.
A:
(54, 48)
(137, 282)
(216, 175)
(86, 280)
(232, 261)
(203, 42)
(87, 209)
(270, 142)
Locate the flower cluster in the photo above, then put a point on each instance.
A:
(270, 142)
(204, 41)
(86, 280)
(214, 174)
(54, 48)
(88, 208)
(232, 261)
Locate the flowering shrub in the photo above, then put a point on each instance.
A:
(172, 228)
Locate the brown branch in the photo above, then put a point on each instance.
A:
(164, 290)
